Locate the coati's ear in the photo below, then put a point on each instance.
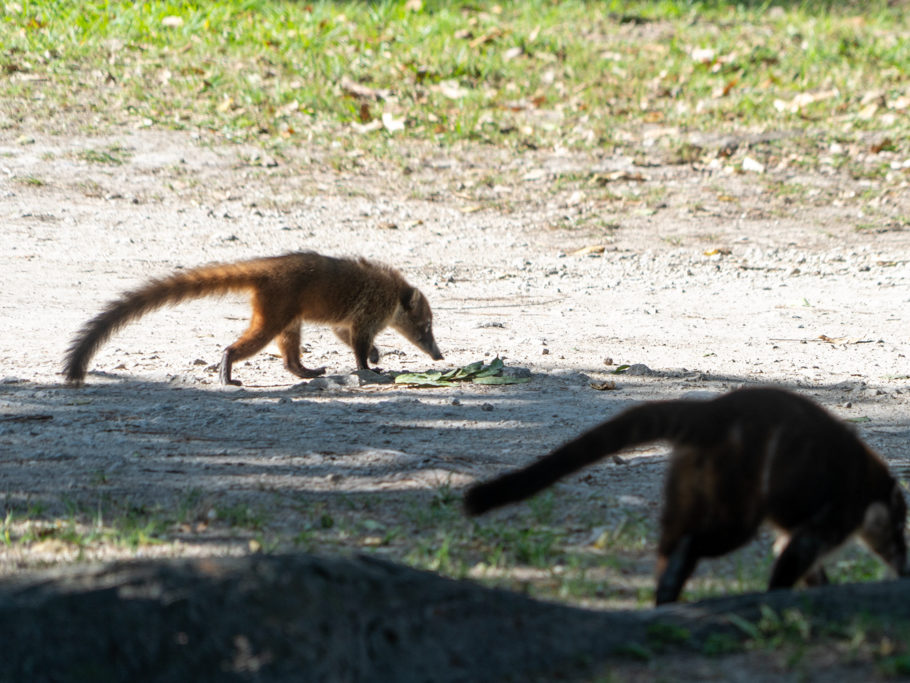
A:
(409, 298)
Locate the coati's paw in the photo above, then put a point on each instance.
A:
(307, 373)
(374, 355)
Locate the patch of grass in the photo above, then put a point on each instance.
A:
(241, 515)
(33, 181)
(82, 528)
(662, 635)
(515, 74)
(110, 156)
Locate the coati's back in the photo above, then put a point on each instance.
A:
(336, 290)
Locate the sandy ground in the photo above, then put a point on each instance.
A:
(700, 277)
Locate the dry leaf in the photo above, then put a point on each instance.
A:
(289, 108)
(752, 166)
(867, 113)
(391, 124)
(703, 55)
(614, 176)
(361, 91)
(592, 249)
(718, 251)
(487, 37)
(512, 53)
(804, 100)
(364, 113)
(363, 128)
(451, 89)
(606, 385)
(885, 143)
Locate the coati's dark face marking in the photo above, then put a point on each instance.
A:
(883, 530)
(414, 320)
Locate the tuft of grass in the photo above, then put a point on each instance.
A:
(114, 155)
(522, 75)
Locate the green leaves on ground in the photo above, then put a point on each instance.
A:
(476, 373)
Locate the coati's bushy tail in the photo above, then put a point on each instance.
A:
(637, 425)
(215, 279)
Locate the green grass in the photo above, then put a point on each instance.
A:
(518, 74)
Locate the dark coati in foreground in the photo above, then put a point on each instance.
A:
(357, 297)
(750, 455)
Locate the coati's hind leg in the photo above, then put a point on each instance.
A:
(344, 334)
(674, 569)
(261, 331)
(289, 345)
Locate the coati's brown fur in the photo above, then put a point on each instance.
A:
(751, 455)
(357, 297)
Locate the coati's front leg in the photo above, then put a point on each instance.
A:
(289, 345)
(345, 334)
(807, 545)
(674, 567)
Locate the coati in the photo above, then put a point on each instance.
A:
(357, 297)
(750, 455)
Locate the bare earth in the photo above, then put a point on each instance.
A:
(708, 278)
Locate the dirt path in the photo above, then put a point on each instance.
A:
(700, 278)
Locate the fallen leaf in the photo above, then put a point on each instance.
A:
(752, 166)
(451, 89)
(392, 124)
(703, 55)
(868, 112)
(606, 385)
(512, 53)
(363, 128)
(361, 91)
(883, 145)
(804, 100)
(718, 251)
(487, 37)
(614, 176)
(592, 249)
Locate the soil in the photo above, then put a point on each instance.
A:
(700, 277)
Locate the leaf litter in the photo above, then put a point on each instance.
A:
(475, 373)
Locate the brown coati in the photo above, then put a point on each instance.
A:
(358, 298)
(751, 455)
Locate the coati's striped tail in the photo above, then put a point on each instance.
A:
(207, 280)
(637, 425)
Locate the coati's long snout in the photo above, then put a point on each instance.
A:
(414, 321)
